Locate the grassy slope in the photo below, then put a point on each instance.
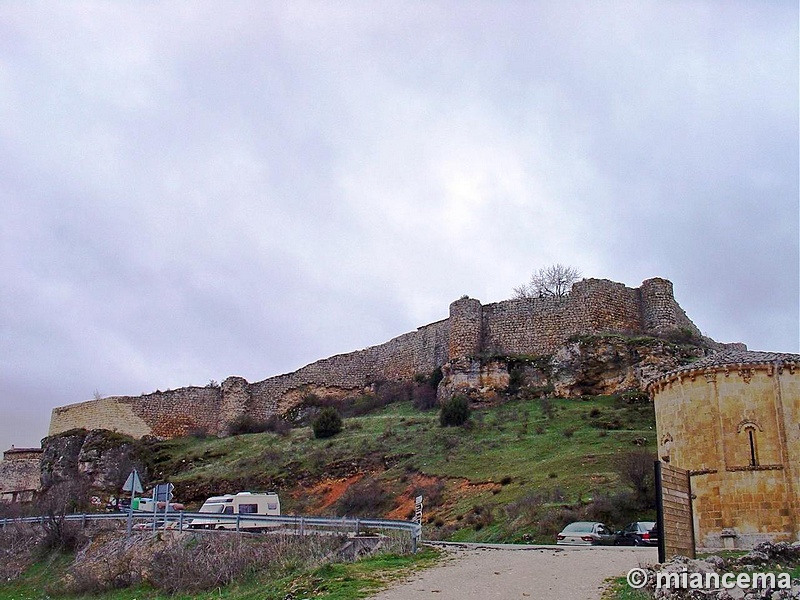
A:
(509, 452)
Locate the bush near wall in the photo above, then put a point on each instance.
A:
(454, 412)
(327, 423)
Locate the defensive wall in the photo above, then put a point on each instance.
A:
(531, 326)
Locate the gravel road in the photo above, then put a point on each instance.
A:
(534, 572)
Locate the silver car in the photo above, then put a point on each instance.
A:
(586, 533)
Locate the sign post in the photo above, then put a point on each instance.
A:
(162, 493)
(133, 485)
(418, 510)
(417, 519)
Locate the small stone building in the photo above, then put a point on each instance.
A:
(732, 420)
(19, 474)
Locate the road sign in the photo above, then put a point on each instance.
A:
(418, 510)
(163, 492)
(133, 484)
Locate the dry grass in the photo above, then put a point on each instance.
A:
(18, 545)
(189, 562)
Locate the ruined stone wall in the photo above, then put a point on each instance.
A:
(19, 475)
(529, 326)
(114, 413)
(168, 414)
(540, 325)
(178, 412)
(660, 312)
(734, 427)
(417, 352)
(235, 402)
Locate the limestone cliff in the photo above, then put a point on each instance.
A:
(584, 365)
(100, 459)
(615, 364)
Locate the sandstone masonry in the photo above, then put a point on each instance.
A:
(536, 326)
(731, 420)
(19, 474)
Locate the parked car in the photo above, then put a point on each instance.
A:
(638, 533)
(586, 533)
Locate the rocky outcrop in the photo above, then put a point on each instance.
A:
(102, 459)
(698, 578)
(583, 366)
(480, 380)
(613, 364)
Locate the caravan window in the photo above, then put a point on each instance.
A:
(248, 509)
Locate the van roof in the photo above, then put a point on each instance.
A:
(230, 497)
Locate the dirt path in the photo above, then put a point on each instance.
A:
(537, 573)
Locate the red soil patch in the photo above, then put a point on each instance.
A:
(327, 491)
(404, 508)
(405, 502)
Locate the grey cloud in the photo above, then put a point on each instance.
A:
(190, 193)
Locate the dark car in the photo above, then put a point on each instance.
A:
(638, 533)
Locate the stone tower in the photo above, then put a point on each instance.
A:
(660, 312)
(466, 329)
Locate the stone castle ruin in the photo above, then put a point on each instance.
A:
(727, 416)
(530, 327)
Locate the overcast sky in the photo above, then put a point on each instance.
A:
(192, 190)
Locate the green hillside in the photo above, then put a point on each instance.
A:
(519, 469)
(516, 471)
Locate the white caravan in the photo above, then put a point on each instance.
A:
(243, 503)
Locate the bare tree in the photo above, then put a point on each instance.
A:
(554, 281)
(54, 504)
(637, 470)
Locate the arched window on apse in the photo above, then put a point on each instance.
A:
(750, 430)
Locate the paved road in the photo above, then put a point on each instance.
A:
(522, 572)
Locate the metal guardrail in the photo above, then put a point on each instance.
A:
(295, 525)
